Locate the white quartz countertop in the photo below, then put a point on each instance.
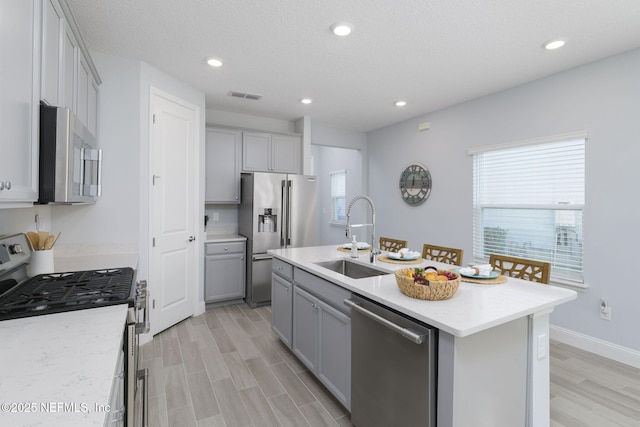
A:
(57, 369)
(473, 308)
(222, 238)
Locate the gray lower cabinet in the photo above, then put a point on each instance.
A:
(224, 271)
(281, 308)
(322, 333)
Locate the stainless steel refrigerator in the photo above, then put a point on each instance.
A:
(276, 211)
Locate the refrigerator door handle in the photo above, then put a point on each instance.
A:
(283, 214)
(289, 183)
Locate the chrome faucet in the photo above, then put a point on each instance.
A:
(374, 249)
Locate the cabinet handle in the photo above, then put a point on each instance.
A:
(7, 185)
(241, 258)
(226, 249)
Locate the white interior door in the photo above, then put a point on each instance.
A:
(173, 268)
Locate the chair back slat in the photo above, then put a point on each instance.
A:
(442, 254)
(521, 268)
(392, 245)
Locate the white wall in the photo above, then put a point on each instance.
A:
(247, 121)
(602, 98)
(114, 219)
(328, 160)
(335, 149)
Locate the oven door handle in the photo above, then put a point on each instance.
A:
(143, 374)
(141, 303)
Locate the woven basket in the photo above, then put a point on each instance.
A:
(436, 290)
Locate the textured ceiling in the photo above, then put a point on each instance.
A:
(431, 53)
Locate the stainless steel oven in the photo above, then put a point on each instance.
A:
(137, 380)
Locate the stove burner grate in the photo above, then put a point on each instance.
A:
(50, 293)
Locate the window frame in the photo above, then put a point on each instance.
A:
(334, 199)
(567, 276)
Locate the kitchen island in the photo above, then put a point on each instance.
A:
(493, 341)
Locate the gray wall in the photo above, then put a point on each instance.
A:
(602, 98)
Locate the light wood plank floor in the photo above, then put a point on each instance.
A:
(590, 390)
(227, 368)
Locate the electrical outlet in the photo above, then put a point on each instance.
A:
(216, 216)
(605, 309)
(542, 346)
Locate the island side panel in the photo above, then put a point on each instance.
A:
(539, 410)
(482, 378)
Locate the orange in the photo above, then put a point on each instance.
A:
(431, 276)
(441, 278)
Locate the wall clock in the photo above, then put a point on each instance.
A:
(415, 184)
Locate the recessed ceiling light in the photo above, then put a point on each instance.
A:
(342, 29)
(214, 62)
(306, 100)
(400, 103)
(553, 44)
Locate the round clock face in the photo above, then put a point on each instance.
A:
(415, 184)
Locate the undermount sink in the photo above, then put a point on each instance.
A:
(351, 269)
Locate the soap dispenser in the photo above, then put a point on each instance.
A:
(354, 247)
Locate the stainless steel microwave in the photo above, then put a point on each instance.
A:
(70, 162)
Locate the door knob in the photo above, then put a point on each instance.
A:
(192, 238)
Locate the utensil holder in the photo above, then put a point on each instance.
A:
(41, 262)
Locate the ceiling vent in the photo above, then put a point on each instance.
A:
(245, 95)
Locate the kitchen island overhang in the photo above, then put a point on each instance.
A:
(493, 341)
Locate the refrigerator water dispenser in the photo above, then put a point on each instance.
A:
(267, 221)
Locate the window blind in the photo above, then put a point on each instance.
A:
(338, 195)
(528, 202)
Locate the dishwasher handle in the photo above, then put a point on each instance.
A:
(406, 333)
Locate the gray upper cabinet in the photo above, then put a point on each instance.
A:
(223, 147)
(68, 77)
(19, 101)
(68, 74)
(53, 27)
(266, 152)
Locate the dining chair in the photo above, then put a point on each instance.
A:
(521, 268)
(442, 254)
(392, 245)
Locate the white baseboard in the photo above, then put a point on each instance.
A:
(594, 345)
(200, 308)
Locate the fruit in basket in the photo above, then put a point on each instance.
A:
(441, 278)
(431, 276)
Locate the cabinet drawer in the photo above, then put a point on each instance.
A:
(283, 269)
(323, 289)
(224, 248)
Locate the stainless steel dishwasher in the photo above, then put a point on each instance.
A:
(393, 367)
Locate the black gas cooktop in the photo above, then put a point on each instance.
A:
(58, 292)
